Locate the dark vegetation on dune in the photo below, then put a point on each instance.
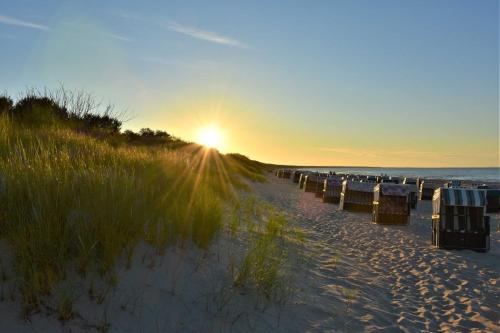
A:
(82, 114)
(76, 191)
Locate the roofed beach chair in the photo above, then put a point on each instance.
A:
(492, 199)
(310, 182)
(296, 175)
(332, 188)
(391, 204)
(459, 220)
(356, 196)
(302, 178)
(427, 188)
(314, 183)
(318, 193)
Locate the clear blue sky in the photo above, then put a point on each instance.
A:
(402, 83)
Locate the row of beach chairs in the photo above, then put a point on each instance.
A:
(459, 219)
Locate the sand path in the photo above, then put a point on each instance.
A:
(360, 276)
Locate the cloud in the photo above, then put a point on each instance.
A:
(12, 21)
(190, 31)
(205, 35)
(118, 37)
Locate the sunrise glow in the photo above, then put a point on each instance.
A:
(210, 137)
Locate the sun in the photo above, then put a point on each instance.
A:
(210, 136)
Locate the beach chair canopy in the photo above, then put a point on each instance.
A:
(459, 197)
(411, 187)
(455, 183)
(357, 186)
(315, 176)
(432, 184)
(334, 179)
(463, 197)
(398, 190)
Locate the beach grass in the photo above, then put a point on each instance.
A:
(69, 200)
(270, 236)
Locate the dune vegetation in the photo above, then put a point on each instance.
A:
(77, 193)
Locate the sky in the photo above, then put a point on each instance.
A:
(338, 82)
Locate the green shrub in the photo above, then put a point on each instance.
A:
(39, 111)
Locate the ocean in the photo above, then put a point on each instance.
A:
(475, 174)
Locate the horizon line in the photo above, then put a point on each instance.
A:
(379, 167)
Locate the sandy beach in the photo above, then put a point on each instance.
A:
(349, 275)
(399, 281)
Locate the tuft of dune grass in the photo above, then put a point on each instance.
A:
(264, 266)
